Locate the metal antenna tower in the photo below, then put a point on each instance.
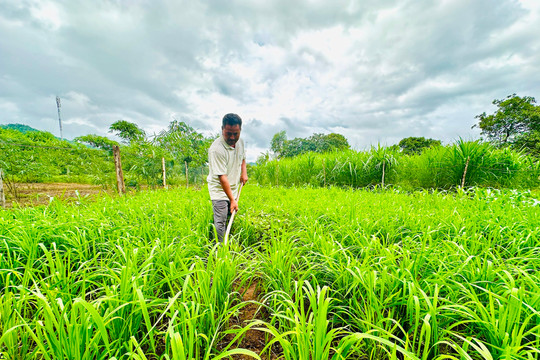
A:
(59, 118)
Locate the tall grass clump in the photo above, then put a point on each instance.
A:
(464, 163)
(346, 168)
(467, 163)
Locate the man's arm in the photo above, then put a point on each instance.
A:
(224, 181)
(243, 174)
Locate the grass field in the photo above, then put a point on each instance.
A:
(339, 274)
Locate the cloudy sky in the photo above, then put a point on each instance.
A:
(375, 71)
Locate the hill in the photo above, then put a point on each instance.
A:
(19, 127)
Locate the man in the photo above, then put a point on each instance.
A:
(227, 163)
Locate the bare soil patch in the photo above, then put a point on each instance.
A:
(254, 340)
(31, 194)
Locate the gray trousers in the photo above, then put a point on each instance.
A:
(221, 212)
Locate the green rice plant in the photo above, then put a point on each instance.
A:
(178, 350)
(67, 331)
(424, 274)
(15, 342)
(303, 331)
(282, 264)
(510, 327)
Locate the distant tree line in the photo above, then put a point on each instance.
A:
(515, 124)
(320, 143)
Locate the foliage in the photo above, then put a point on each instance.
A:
(415, 145)
(184, 143)
(40, 157)
(278, 142)
(18, 127)
(100, 142)
(143, 163)
(320, 143)
(528, 142)
(515, 117)
(127, 131)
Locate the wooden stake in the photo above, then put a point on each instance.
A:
(118, 166)
(2, 195)
(465, 173)
(164, 172)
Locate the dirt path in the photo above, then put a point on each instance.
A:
(254, 340)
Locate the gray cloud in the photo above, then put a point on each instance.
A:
(375, 71)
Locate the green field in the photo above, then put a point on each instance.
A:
(342, 274)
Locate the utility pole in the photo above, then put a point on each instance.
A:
(59, 118)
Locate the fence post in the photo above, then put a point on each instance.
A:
(2, 195)
(164, 172)
(119, 174)
(465, 173)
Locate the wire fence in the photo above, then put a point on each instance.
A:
(43, 163)
(34, 163)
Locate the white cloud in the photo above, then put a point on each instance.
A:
(376, 71)
(46, 13)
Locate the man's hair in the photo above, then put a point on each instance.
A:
(231, 119)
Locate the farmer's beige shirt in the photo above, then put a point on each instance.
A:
(224, 160)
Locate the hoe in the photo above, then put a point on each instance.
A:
(226, 237)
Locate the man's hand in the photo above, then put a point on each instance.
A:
(243, 178)
(234, 206)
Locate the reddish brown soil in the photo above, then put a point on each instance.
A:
(254, 340)
(27, 194)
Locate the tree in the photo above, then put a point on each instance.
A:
(515, 117)
(337, 141)
(185, 143)
(127, 131)
(296, 147)
(277, 143)
(100, 142)
(415, 145)
(320, 143)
